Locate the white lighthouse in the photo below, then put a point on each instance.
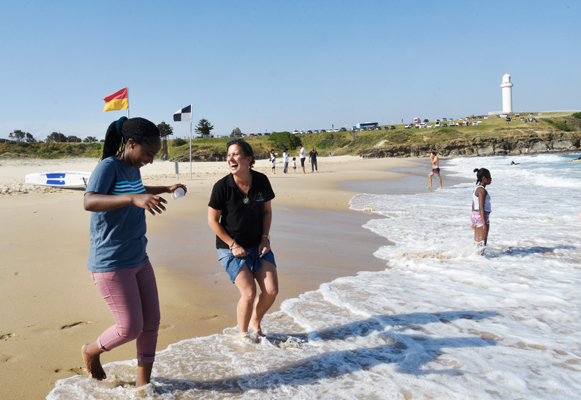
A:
(506, 94)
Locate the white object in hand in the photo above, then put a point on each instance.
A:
(179, 192)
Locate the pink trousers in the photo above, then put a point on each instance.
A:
(131, 294)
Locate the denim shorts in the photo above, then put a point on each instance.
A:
(253, 261)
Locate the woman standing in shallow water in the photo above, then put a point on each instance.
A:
(481, 208)
(240, 214)
(118, 261)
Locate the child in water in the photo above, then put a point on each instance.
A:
(481, 207)
(118, 262)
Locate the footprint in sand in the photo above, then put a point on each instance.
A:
(74, 324)
(6, 336)
(74, 370)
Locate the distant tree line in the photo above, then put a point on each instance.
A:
(55, 137)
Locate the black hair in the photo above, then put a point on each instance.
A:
(245, 147)
(120, 131)
(433, 152)
(481, 173)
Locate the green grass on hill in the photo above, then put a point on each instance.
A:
(338, 143)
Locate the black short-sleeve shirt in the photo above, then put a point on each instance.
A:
(242, 214)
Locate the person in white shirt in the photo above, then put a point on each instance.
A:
(285, 161)
(303, 155)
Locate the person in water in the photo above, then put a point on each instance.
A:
(118, 260)
(435, 169)
(481, 207)
(240, 214)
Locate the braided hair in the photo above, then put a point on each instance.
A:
(120, 131)
(481, 173)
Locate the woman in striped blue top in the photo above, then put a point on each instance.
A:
(118, 261)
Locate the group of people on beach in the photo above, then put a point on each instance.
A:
(302, 156)
(239, 213)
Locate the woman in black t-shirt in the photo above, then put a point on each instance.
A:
(240, 214)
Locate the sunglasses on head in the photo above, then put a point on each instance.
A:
(234, 142)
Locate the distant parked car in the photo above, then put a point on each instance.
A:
(452, 123)
(259, 134)
(315, 131)
(309, 131)
(426, 120)
(437, 123)
(460, 124)
(408, 126)
(444, 119)
(444, 125)
(517, 115)
(521, 119)
(296, 132)
(266, 134)
(302, 131)
(251, 135)
(429, 126)
(323, 131)
(343, 130)
(508, 119)
(531, 114)
(392, 127)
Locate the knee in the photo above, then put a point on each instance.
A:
(248, 295)
(131, 331)
(271, 292)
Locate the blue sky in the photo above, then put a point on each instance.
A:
(274, 65)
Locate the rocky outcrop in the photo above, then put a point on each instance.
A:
(530, 143)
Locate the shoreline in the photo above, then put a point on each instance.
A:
(53, 303)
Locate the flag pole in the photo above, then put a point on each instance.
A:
(127, 103)
(191, 119)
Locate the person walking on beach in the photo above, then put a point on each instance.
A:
(302, 154)
(435, 169)
(272, 160)
(481, 207)
(294, 165)
(118, 261)
(285, 161)
(240, 214)
(313, 158)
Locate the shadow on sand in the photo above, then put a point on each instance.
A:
(408, 351)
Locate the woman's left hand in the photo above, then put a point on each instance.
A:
(173, 188)
(264, 246)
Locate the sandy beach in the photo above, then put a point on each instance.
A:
(50, 306)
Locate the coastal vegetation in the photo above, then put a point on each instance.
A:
(553, 131)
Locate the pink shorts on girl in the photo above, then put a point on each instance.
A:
(477, 218)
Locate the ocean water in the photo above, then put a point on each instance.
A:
(440, 322)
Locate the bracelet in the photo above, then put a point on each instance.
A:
(233, 243)
(266, 236)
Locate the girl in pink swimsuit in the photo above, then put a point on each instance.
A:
(481, 207)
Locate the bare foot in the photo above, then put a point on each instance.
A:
(93, 364)
(258, 331)
(429, 187)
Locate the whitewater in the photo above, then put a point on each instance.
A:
(440, 322)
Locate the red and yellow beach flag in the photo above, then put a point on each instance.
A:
(117, 101)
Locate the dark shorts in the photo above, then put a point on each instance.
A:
(302, 162)
(435, 172)
(253, 261)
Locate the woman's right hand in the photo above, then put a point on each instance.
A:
(150, 202)
(238, 251)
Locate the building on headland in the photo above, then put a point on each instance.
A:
(506, 94)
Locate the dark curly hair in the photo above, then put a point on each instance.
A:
(481, 173)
